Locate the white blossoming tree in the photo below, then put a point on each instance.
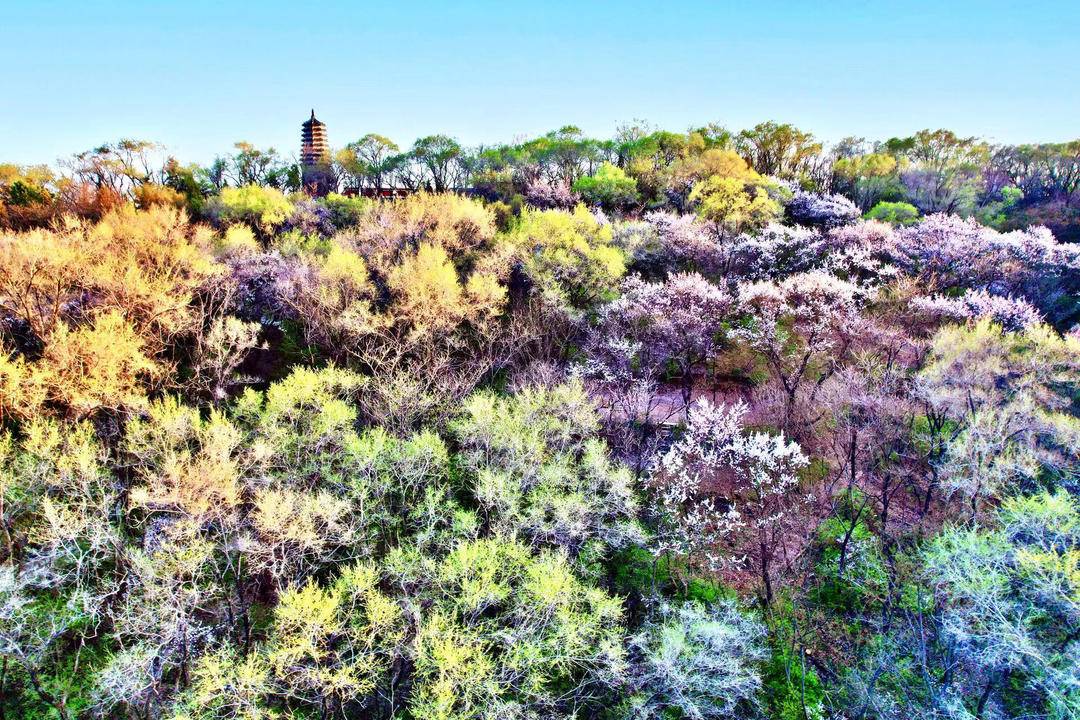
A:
(726, 493)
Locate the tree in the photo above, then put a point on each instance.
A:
(332, 648)
(264, 209)
(700, 662)
(569, 257)
(1009, 602)
(610, 188)
(539, 475)
(1009, 395)
(946, 170)
(655, 332)
(731, 206)
(803, 327)
(437, 154)
(780, 150)
(729, 497)
(507, 630)
(252, 166)
(821, 211)
(1012, 314)
(867, 178)
(894, 213)
(369, 160)
(120, 167)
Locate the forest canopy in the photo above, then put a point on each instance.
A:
(667, 426)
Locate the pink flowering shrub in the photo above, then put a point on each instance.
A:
(802, 327)
(1009, 312)
(950, 252)
(657, 330)
(773, 252)
(548, 195)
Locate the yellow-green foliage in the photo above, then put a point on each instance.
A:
(336, 642)
(82, 370)
(104, 301)
(537, 471)
(1011, 393)
(334, 299)
(264, 209)
(733, 205)
(430, 299)
(186, 465)
(56, 495)
(144, 264)
(510, 627)
(236, 240)
(463, 227)
(226, 686)
(569, 257)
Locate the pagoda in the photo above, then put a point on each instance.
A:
(315, 157)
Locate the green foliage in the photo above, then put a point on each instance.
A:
(792, 688)
(851, 570)
(995, 214)
(894, 213)
(1012, 395)
(1009, 599)
(510, 629)
(733, 205)
(609, 187)
(346, 212)
(536, 472)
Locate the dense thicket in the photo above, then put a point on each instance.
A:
(656, 428)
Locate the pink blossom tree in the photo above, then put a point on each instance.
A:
(656, 332)
(803, 328)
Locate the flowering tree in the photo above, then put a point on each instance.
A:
(1011, 313)
(697, 661)
(773, 252)
(665, 241)
(948, 252)
(657, 331)
(821, 211)
(802, 327)
(546, 195)
(727, 494)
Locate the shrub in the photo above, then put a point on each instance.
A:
(821, 211)
(263, 209)
(610, 188)
(697, 662)
(894, 213)
(148, 195)
(569, 257)
(463, 227)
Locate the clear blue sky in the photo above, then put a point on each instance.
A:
(200, 75)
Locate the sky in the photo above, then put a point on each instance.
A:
(200, 75)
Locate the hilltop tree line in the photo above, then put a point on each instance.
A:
(640, 169)
(675, 427)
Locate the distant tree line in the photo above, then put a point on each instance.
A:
(638, 170)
